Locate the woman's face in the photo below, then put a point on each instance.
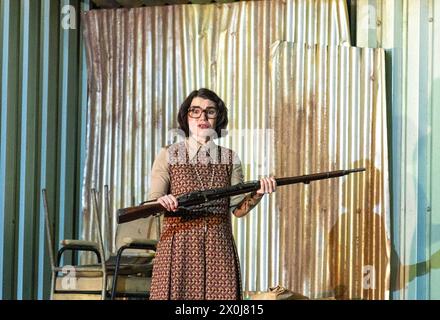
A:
(202, 115)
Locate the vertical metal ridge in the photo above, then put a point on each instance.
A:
(9, 145)
(27, 199)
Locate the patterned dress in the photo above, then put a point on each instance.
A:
(196, 257)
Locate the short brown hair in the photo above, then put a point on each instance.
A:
(222, 116)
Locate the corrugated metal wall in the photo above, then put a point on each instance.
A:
(43, 99)
(166, 52)
(409, 30)
(329, 113)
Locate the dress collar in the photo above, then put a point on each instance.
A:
(194, 147)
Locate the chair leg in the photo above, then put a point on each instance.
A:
(115, 276)
(52, 285)
(104, 286)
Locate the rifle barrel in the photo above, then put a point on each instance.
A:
(316, 176)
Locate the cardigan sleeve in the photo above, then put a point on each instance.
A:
(160, 176)
(241, 204)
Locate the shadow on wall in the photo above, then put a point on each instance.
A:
(360, 246)
(358, 240)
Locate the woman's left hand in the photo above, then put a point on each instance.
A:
(268, 185)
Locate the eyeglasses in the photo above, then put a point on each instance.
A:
(196, 112)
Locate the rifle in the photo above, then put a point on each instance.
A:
(153, 207)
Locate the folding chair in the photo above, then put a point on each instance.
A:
(67, 280)
(120, 275)
(133, 262)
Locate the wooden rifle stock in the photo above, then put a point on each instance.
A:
(198, 197)
(138, 212)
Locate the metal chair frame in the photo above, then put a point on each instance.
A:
(74, 245)
(104, 266)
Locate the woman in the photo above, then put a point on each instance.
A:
(196, 256)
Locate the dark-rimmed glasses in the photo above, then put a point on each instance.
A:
(196, 112)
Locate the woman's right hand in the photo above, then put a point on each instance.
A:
(169, 202)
